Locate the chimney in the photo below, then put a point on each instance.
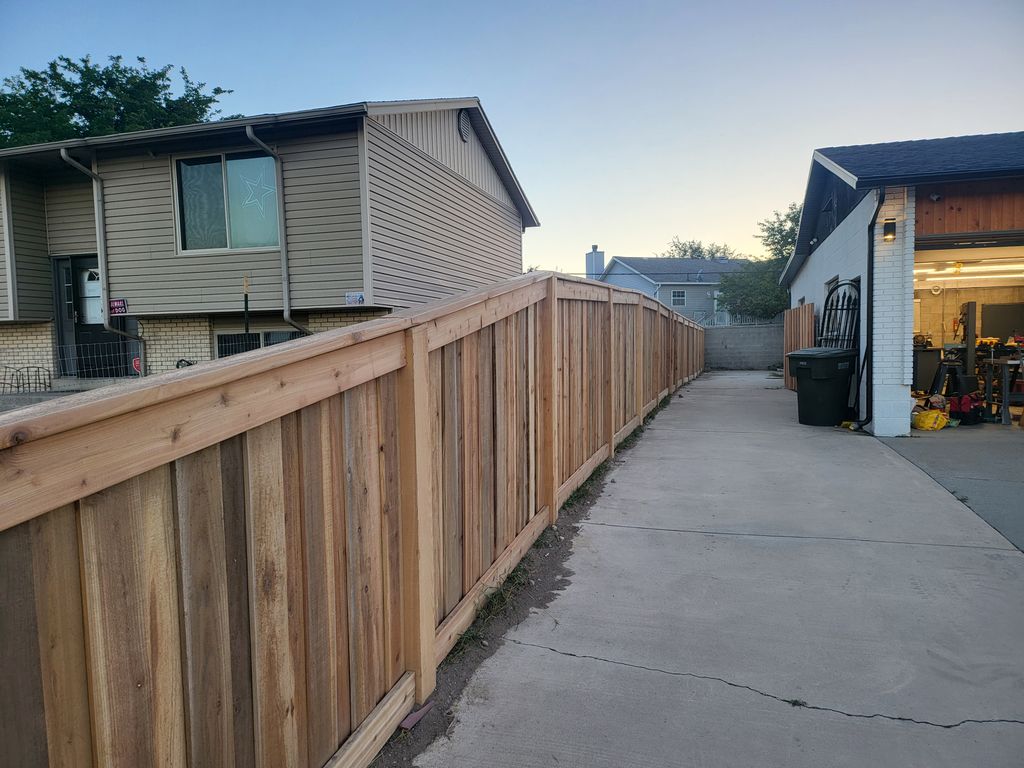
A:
(595, 263)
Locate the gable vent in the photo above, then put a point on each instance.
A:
(465, 127)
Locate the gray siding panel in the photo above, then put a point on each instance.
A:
(433, 233)
(437, 133)
(698, 304)
(144, 265)
(32, 262)
(324, 224)
(70, 218)
(626, 278)
(323, 228)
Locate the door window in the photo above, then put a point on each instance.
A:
(90, 307)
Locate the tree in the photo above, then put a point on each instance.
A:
(72, 98)
(695, 249)
(778, 232)
(754, 289)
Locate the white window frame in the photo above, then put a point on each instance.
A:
(672, 297)
(176, 204)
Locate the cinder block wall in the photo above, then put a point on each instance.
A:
(744, 347)
(24, 344)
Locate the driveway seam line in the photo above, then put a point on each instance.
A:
(796, 703)
(1013, 550)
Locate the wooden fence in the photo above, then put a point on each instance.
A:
(798, 334)
(262, 560)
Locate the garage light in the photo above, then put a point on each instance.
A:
(889, 230)
(940, 278)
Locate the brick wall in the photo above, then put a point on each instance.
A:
(169, 339)
(338, 318)
(744, 347)
(892, 347)
(24, 344)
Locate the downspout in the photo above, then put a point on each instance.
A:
(99, 210)
(286, 294)
(866, 365)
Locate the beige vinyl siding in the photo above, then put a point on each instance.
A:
(5, 307)
(323, 220)
(70, 218)
(144, 266)
(432, 232)
(32, 263)
(437, 134)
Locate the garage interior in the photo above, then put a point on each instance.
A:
(964, 295)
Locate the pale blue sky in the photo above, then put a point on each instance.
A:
(627, 122)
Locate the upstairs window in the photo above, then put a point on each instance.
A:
(227, 201)
(678, 298)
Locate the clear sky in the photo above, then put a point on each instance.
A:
(626, 122)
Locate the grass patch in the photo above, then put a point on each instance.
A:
(499, 601)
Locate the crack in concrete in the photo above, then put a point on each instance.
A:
(797, 703)
(793, 536)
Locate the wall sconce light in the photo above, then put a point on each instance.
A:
(889, 230)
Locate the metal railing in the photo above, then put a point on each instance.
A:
(68, 366)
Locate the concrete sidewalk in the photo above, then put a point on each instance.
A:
(737, 563)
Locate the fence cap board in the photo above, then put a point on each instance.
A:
(56, 416)
(67, 413)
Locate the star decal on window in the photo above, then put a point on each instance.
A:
(258, 192)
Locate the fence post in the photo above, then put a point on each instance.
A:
(417, 513)
(638, 358)
(550, 354)
(609, 410)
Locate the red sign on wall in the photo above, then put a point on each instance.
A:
(119, 306)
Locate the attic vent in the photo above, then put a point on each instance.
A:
(464, 125)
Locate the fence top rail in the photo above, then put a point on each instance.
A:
(74, 411)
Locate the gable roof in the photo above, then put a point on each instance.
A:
(661, 269)
(902, 163)
(867, 166)
(325, 118)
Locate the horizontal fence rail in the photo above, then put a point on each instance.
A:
(262, 560)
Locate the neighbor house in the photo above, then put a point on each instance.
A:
(150, 244)
(689, 286)
(920, 228)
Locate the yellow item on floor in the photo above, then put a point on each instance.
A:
(930, 420)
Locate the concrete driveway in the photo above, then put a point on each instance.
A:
(982, 465)
(750, 592)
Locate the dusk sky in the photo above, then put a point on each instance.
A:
(626, 122)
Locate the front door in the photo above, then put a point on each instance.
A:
(86, 349)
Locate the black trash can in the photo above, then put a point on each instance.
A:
(822, 384)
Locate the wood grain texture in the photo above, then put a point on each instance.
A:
(365, 567)
(58, 593)
(320, 542)
(391, 526)
(130, 584)
(22, 717)
(206, 630)
(277, 687)
(451, 459)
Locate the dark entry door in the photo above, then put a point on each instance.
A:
(87, 349)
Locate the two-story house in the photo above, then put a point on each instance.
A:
(689, 286)
(159, 246)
